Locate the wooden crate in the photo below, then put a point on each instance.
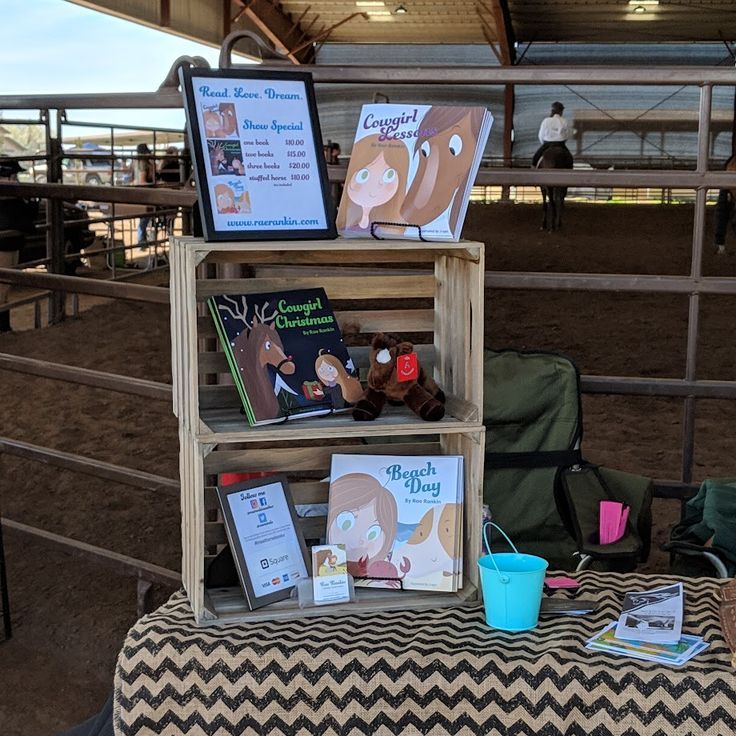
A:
(432, 292)
(306, 463)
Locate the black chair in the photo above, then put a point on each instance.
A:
(4, 597)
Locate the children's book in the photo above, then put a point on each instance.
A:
(286, 354)
(411, 171)
(400, 519)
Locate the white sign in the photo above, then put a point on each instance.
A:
(258, 152)
(265, 530)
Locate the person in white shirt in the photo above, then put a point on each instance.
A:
(553, 131)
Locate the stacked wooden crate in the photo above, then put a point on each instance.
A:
(432, 292)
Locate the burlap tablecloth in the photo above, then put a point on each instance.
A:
(423, 672)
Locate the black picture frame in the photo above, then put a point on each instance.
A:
(253, 600)
(289, 207)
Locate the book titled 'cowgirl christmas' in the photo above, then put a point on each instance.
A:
(286, 354)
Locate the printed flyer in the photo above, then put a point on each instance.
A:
(260, 164)
(267, 547)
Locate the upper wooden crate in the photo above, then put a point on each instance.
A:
(432, 293)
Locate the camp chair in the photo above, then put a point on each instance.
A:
(707, 530)
(538, 486)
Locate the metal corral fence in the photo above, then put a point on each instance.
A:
(689, 388)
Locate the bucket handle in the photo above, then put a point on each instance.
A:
(486, 541)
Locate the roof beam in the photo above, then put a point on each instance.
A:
(165, 13)
(499, 10)
(276, 26)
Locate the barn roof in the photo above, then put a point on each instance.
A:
(297, 25)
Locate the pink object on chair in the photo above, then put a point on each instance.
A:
(612, 518)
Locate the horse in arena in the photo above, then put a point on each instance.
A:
(725, 211)
(553, 198)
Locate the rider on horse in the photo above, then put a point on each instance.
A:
(553, 131)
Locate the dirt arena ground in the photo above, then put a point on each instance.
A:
(70, 616)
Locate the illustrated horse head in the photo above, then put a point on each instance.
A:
(445, 149)
(228, 121)
(553, 198)
(256, 347)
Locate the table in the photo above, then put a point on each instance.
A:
(421, 672)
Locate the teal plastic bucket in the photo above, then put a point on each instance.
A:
(512, 586)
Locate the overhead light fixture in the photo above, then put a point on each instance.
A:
(641, 3)
(400, 10)
(378, 13)
(639, 9)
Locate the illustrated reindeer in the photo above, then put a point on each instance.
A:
(256, 347)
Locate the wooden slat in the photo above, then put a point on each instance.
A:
(367, 287)
(292, 459)
(309, 256)
(375, 320)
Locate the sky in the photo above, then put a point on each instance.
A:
(53, 46)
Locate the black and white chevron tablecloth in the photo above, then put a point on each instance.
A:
(423, 672)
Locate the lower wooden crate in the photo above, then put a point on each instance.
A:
(306, 463)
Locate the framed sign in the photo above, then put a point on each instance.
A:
(267, 545)
(258, 156)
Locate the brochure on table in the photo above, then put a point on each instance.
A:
(267, 545)
(257, 150)
(652, 615)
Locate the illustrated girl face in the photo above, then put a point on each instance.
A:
(374, 184)
(359, 530)
(225, 201)
(212, 122)
(326, 372)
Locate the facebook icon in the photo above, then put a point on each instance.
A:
(263, 501)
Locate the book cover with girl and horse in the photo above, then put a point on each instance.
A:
(286, 354)
(400, 519)
(411, 171)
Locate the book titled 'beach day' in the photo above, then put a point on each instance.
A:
(400, 519)
(286, 354)
(411, 171)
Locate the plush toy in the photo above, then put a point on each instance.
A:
(395, 376)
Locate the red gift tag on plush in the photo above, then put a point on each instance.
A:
(407, 367)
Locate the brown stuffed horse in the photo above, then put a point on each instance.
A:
(385, 383)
